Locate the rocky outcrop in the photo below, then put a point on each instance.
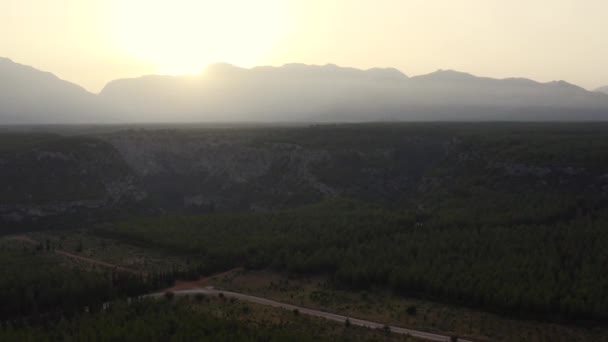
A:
(245, 170)
(222, 172)
(263, 169)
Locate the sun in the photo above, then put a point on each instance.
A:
(184, 36)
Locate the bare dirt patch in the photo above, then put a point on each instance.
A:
(203, 282)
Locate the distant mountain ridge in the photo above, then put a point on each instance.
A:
(602, 89)
(293, 93)
(28, 95)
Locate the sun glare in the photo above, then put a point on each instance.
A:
(183, 36)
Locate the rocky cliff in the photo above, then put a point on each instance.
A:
(260, 169)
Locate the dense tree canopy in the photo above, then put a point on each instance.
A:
(35, 285)
(516, 266)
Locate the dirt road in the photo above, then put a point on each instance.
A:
(179, 291)
(322, 314)
(91, 261)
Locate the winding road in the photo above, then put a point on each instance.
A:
(209, 291)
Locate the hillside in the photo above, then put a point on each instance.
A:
(268, 168)
(507, 218)
(264, 169)
(488, 215)
(46, 175)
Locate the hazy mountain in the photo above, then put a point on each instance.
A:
(297, 92)
(602, 89)
(446, 93)
(28, 95)
(292, 93)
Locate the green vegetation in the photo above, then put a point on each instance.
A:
(36, 285)
(47, 169)
(140, 260)
(535, 268)
(185, 320)
(395, 309)
(13, 142)
(509, 218)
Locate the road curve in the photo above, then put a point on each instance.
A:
(311, 312)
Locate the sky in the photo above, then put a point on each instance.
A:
(91, 42)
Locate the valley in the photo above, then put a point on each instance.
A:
(468, 230)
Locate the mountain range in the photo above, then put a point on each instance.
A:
(602, 90)
(292, 93)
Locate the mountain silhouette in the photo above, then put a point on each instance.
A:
(292, 93)
(28, 95)
(602, 90)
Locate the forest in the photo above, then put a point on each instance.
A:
(38, 286)
(512, 266)
(182, 319)
(506, 218)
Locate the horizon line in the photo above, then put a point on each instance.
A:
(204, 69)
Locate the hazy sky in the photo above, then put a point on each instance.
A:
(93, 41)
